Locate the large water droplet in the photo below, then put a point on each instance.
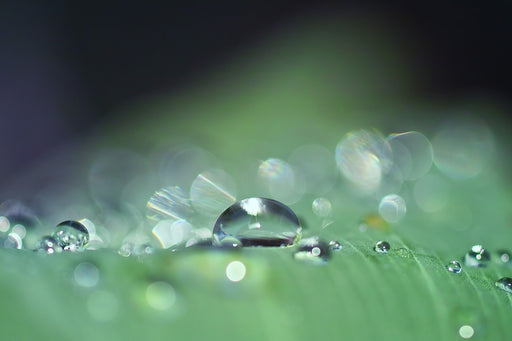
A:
(382, 247)
(504, 284)
(49, 245)
(392, 208)
(454, 267)
(313, 250)
(71, 235)
(477, 256)
(258, 222)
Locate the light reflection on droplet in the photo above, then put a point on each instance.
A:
(212, 192)
(169, 232)
(279, 179)
(466, 331)
(160, 295)
(463, 148)
(13, 241)
(102, 305)
(392, 208)
(86, 275)
(363, 157)
(4, 224)
(235, 271)
(412, 154)
(321, 207)
(431, 193)
(315, 167)
(168, 203)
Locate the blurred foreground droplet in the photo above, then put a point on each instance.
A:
(280, 181)
(392, 208)
(169, 203)
(321, 207)
(257, 222)
(235, 271)
(477, 256)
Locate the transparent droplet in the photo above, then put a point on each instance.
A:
(212, 192)
(363, 157)
(11, 241)
(412, 154)
(454, 267)
(463, 148)
(71, 235)
(312, 250)
(279, 180)
(258, 222)
(382, 247)
(477, 256)
(503, 256)
(504, 284)
(169, 203)
(466, 331)
(321, 207)
(335, 245)
(235, 271)
(49, 245)
(126, 249)
(392, 208)
(86, 275)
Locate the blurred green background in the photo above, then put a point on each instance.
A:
(248, 83)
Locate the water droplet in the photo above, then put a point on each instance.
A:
(86, 275)
(49, 245)
(279, 180)
(477, 256)
(363, 157)
(382, 247)
(312, 250)
(258, 222)
(235, 271)
(392, 208)
(454, 267)
(212, 191)
(71, 235)
(126, 249)
(503, 256)
(12, 241)
(504, 284)
(466, 331)
(335, 245)
(169, 203)
(321, 207)
(160, 295)
(412, 154)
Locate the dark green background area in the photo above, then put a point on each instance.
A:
(310, 83)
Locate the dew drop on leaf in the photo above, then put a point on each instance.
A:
(382, 247)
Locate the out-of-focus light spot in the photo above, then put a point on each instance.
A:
(321, 207)
(280, 181)
(373, 221)
(86, 275)
(20, 230)
(4, 224)
(212, 192)
(466, 331)
(431, 193)
(412, 154)
(169, 232)
(160, 295)
(168, 203)
(392, 208)
(235, 271)
(463, 148)
(364, 157)
(314, 168)
(103, 306)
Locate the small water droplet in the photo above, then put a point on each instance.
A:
(71, 235)
(382, 247)
(126, 249)
(335, 245)
(477, 256)
(454, 267)
(504, 284)
(257, 222)
(49, 245)
(321, 207)
(312, 250)
(504, 256)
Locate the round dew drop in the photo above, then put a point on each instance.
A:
(382, 247)
(312, 250)
(454, 267)
(71, 235)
